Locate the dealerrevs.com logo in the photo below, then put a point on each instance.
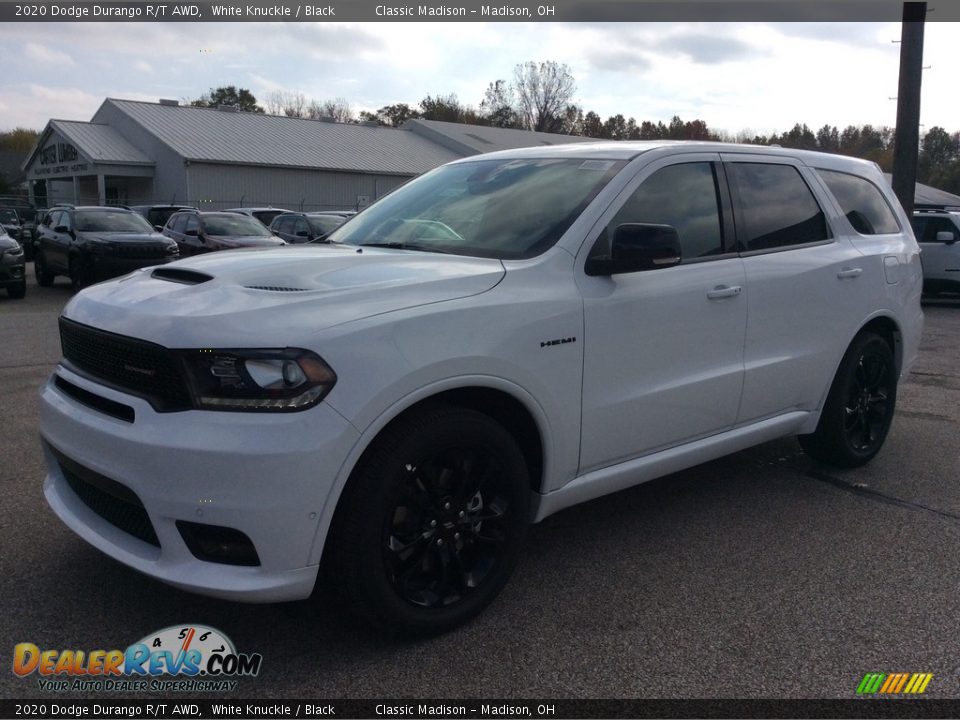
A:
(188, 658)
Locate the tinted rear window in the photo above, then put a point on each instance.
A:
(862, 203)
(777, 209)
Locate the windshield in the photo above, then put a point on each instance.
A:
(323, 224)
(111, 221)
(8, 216)
(234, 226)
(506, 209)
(267, 216)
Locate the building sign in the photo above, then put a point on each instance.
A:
(58, 159)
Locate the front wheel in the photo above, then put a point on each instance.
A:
(859, 408)
(430, 525)
(79, 275)
(44, 276)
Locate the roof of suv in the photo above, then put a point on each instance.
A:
(629, 149)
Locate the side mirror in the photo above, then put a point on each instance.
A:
(637, 247)
(192, 232)
(158, 228)
(947, 237)
(302, 233)
(61, 229)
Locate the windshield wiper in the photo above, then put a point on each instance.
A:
(405, 246)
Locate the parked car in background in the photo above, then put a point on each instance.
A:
(89, 244)
(938, 232)
(12, 275)
(202, 232)
(28, 226)
(157, 215)
(264, 214)
(11, 221)
(308, 227)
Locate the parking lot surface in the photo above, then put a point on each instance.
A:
(757, 575)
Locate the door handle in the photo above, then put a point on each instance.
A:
(849, 273)
(724, 291)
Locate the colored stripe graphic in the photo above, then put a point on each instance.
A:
(871, 683)
(894, 683)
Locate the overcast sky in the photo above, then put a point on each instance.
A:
(756, 76)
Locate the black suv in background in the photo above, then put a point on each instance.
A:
(308, 227)
(203, 232)
(88, 244)
(157, 215)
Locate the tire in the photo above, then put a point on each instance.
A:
(44, 276)
(859, 408)
(79, 277)
(17, 292)
(430, 525)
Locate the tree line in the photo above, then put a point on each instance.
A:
(539, 97)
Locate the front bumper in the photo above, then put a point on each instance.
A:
(268, 476)
(11, 270)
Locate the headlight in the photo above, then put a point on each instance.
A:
(14, 251)
(264, 380)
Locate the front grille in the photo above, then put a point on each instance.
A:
(115, 503)
(134, 366)
(141, 251)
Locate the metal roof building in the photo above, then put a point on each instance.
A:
(143, 153)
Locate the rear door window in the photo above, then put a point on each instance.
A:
(862, 203)
(776, 208)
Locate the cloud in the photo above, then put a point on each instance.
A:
(617, 59)
(142, 66)
(707, 49)
(47, 56)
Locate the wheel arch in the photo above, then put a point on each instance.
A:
(506, 403)
(884, 325)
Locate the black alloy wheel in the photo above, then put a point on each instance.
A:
(859, 408)
(430, 525)
(449, 526)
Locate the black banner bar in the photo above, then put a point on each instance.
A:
(465, 11)
(104, 709)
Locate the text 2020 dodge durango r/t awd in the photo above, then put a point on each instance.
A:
(504, 337)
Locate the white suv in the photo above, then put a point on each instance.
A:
(938, 231)
(502, 338)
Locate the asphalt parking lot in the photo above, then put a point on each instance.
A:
(758, 575)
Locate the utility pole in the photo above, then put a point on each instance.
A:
(907, 138)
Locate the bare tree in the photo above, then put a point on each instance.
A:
(287, 102)
(543, 91)
(338, 108)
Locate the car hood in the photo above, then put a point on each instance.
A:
(250, 240)
(262, 298)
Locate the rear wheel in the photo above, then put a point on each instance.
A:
(430, 525)
(859, 408)
(44, 276)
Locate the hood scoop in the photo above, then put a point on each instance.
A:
(180, 275)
